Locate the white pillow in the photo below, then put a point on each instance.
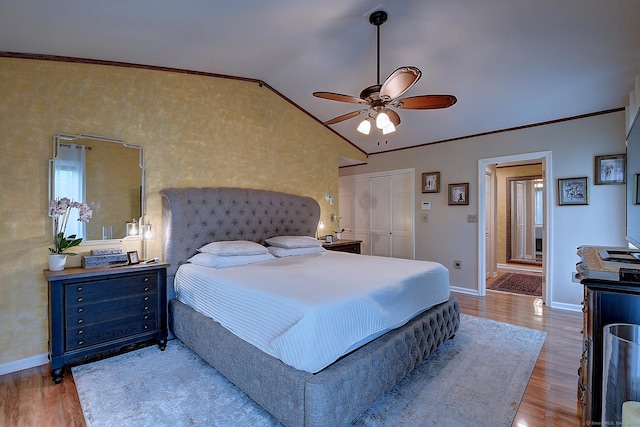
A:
(284, 252)
(233, 248)
(290, 242)
(216, 261)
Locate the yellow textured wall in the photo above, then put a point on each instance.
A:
(195, 130)
(501, 201)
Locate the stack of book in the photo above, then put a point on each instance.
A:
(108, 257)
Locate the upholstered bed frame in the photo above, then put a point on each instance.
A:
(334, 396)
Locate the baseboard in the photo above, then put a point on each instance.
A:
(565, 306)
(19, 365)
(464, 290)
(519, 267)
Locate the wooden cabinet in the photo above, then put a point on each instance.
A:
(605, 302)
(94, 313)
(352, 246)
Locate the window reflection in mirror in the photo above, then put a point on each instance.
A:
(107, 174)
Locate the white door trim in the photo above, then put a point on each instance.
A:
(547, 244)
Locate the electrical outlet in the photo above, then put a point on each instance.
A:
(333, 217)
(472, 218)
(425, 217)
(457, 265)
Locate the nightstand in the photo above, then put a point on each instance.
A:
(95, 313)
(352, 246)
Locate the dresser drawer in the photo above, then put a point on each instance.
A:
(89, 314)
(86, 336)
(99, 290)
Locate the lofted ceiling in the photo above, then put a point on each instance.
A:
(509, 63)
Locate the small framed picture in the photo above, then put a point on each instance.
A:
(459, 194)
(431, 182)
(133, 257)
(573, 191)
(636, 199)
(610, 169)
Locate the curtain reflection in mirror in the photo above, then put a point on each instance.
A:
(70, 179)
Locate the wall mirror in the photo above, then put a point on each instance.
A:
(524, 203)
(106, 173)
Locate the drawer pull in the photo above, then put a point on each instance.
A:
(80, 321)
(146, 317)
(146, 279)
(146, 289)
(80, 331)
(146, 298)
(146, 307)
(80, 299)
(80, 342)
(79, 288)
(146, 326)
(80, 310)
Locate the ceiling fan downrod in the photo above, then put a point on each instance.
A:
(378, 18)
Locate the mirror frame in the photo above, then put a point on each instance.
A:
(69, 138)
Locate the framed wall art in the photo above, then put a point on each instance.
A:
(459, 194)
(133, 257)
(610, 169)
(431, 182)
(573, 191)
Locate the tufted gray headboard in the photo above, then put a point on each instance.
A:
(193, 217)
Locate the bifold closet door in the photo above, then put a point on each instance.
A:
(391, 216)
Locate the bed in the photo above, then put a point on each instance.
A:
(318, 396)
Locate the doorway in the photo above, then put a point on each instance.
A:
(488, 239)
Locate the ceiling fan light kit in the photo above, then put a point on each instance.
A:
(379, 97)
(365, 126)
(382, 120)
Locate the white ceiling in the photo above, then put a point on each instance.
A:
(509, 62)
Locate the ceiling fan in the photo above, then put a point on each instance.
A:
(380, 97)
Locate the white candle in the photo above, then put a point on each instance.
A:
(631, 414)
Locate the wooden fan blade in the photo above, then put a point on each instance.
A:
(393, 116)
(338, 97)
(344, 117)
(425, 102)
(400, 81)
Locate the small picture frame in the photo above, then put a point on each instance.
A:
(610, 169)
(636, 199)
(431, 182)
(573, 191)
(459, 194)
(133, 257)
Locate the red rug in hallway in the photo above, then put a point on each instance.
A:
(526, 284)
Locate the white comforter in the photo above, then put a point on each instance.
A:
(309, 310)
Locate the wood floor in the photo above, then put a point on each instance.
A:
(30, 398)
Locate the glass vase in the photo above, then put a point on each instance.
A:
(621, 375)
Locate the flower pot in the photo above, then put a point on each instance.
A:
(57, 261)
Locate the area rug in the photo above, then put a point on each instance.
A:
(476, 379)
(526, 284)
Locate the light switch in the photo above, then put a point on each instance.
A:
(426, 206)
